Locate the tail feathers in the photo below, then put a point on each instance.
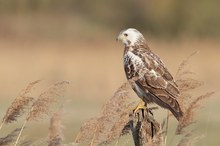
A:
(169, 103)
(177, 112)
(174, 107)
(166, 102)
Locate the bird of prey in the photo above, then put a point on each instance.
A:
(147, 74)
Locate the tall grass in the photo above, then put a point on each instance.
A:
(112, 123)
(19, 105)
(34, 108)
(55, 130)
(114, 118)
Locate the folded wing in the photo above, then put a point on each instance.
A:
(158, 84)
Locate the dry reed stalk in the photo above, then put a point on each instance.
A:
(26, 143)
(41, 106)
(88, 126)
(109, 126)
(185, 139)
(55, 130)
(19, 105)
(189, 104)
(39, 142)
(71, 144)
(184, 84)
(9, 138)
(183, 65)
(120, 128)
(188, 84)
(188, 140)
(189, 114)
(185, 87)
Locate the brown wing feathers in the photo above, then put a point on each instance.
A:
(158, 83)
(167, 92)
(166, 101)
(160, 97)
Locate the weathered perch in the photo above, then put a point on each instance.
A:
(143, 127)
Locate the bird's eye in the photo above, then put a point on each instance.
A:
(125, 34)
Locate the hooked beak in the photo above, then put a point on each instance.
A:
(119, 38)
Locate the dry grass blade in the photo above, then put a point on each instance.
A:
(188, 84)
(71, 144)
(26, 143)
(55, 130)
(7, 140)
(39, 142)
(184, 63)
(187, 119)
(185, 140)
(19, 105)
(109, 126)
(184, 73)
(188, 140)
(42, 105)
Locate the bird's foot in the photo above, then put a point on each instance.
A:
(140, 106)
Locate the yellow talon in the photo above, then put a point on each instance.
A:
(141, 105)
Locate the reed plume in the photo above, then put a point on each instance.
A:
(85, 134)
(114, 119)
(7, 140)
(55, 130)
(189, 113)
(109, 126)
(19, 105)
(189, 103)
(41, 106)
(183, 64)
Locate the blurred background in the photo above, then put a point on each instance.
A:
(74, 40)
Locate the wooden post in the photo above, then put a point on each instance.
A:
(143, 127)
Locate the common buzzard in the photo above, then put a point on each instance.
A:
(147, 74)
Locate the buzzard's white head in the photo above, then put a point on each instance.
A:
(130, 37)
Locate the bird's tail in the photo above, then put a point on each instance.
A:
(176, 110)
(168, 103)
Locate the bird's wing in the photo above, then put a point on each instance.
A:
(157, 79)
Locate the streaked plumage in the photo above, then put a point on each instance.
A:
(147, 74)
